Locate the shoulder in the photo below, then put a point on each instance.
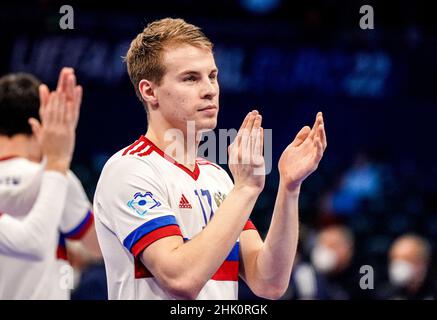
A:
(125, 171)
(130, 160)
(19, 165)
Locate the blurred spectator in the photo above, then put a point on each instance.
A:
(332, 257)
(408, 270)
(304, 282)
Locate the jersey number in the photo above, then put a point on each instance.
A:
(205, 193)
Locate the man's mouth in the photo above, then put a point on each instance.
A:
(209, 107)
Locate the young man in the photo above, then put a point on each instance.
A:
(162, 236)
(32, 266)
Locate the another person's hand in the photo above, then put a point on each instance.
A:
(303, 155)
(246, 160)
(59, 113)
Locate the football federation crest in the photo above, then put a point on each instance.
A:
(143, 202)
(219, 198)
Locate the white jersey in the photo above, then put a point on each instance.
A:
(144, 195)
(20, 278)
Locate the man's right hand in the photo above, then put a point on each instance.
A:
(246, 160)
(59, 114)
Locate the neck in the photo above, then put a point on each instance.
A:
(180, 144)
(15, 146)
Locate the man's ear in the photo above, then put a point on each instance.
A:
(147, 91)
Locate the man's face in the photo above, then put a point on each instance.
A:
(409, 251)
(335, 241)
(189, 90)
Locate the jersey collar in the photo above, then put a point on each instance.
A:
(193, 174)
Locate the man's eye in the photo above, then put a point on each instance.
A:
(213, 76)
(190, 78)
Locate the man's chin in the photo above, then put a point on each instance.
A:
(207, 126)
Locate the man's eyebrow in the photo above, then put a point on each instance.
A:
(194, 72)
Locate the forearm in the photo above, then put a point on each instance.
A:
(193, 263)
(27, 237)
(274, 261)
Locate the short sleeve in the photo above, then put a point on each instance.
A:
(77, 217)
(132, 202)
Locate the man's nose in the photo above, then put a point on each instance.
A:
(209, 90)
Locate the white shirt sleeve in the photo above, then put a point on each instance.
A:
(77, 217)
(28, 238)
(132, 202)
(18, 199)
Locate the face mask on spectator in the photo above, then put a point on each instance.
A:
(324, 259)
(400, 272)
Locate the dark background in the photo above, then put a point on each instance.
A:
(376, 88)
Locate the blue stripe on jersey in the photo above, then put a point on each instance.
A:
(234, 254)
(76, 230)
(146, 228)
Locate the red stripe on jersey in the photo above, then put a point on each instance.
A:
(84, 229)
(141, 271)
(7, 158)
(228, 271)
(61, 253)
(139, 149)
(249, 225)
(133, 145)
(146, 153)
(204, 162)
(148, 239)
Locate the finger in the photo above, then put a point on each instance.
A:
(243, 125)
(322, 136)
(56, 108)
(257, 155)
(252, 119)
(301, 136)
(248, 131)
(254, 132)
(78, 93)
(262, 140)
(62, 108)
(258, 147)
(319, 149)
(316, 125)
(44, 94)
(70, 86)
(62, 80)
(243, 138)
(48, 115)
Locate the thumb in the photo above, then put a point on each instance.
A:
(301, 136)
(36, 128)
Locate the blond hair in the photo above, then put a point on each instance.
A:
(144, 57)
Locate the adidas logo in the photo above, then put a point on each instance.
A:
(184, 204)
